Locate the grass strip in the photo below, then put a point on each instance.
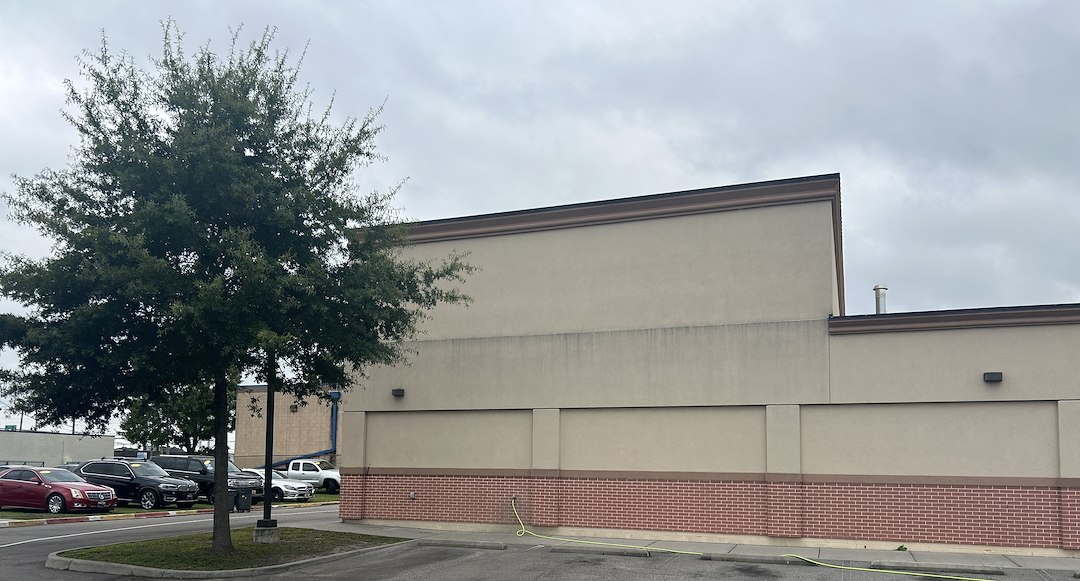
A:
(192, 552)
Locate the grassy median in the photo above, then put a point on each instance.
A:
(192, 552)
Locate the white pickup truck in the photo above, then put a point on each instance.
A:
(320, 473)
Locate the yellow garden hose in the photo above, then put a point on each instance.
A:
(524, 531)
(911, 573)
(521, 532)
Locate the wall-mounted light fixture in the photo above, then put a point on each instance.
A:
(293, 408)
(398, 392)
(993, 377)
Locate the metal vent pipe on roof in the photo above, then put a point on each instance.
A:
(879, 299)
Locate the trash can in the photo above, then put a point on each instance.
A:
(243, 499)
(231, 502)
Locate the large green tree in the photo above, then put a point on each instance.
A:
(181, 417)
(208, 224)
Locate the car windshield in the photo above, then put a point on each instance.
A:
(280, 475)
(324, 465)
(59, 475)
(147, 469)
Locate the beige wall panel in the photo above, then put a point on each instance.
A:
(1015, 439)
(546, 429)
(761, 264)
(721, 440)
(1069, 438)
(1039, 363)
(482, 439)
(692, 366)
(304, 431)
(783, 439)
(352, 445)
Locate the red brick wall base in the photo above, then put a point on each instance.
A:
(1021, 516)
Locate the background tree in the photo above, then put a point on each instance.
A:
(181, 418)
(208, 224)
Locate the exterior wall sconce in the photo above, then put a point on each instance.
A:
(293, 408)
(993, 377)
(398, 392)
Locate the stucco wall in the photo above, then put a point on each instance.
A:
(742, 266)
(715, 440)
(1014, 439)
(1038, 363)
(785, 362)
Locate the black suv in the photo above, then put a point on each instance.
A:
(142, 482)
(201, 470)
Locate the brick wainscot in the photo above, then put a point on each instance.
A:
(967, 514)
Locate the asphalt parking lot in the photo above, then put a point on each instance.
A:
(415, 562)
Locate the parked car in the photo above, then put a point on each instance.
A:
(319, 473)
(53, 489)
(201, 470)
(283, 487)
(143, 482)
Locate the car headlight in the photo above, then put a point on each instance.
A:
(168, 487)
(290, 487)
(75, 493)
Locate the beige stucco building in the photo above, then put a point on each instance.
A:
(682, 363)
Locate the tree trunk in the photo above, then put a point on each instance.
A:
(222, 531)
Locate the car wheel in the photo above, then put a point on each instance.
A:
(148, 499)
(278, 495)
(210, 496)
(55, 504)
(331, 487)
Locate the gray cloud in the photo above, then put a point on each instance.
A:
(954, 126)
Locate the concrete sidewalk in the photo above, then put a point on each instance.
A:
(913, 560)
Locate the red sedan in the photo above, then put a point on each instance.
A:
(53, 489)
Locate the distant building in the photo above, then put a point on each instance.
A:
(299, 430)
(50, 448)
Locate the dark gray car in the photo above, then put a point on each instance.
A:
(201, 470)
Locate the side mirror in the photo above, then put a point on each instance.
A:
(203, 470)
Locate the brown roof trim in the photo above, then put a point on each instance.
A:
(1068, 314)
(821, 188)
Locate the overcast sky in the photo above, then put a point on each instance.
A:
(955, 126)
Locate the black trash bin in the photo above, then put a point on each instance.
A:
(243, 499)
(231, 502)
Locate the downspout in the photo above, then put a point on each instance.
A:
(335, 397)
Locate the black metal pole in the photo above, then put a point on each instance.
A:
(268, 469)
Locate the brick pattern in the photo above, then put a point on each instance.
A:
(1070, 518)
(978, 515)
(785, 509)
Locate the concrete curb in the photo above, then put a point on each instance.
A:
(132, 515)
(617, 551)
(759, 559)
(55, 561)
(917, 567)
(462, 544)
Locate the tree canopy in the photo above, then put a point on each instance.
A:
(181, 419)
(208, 225)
